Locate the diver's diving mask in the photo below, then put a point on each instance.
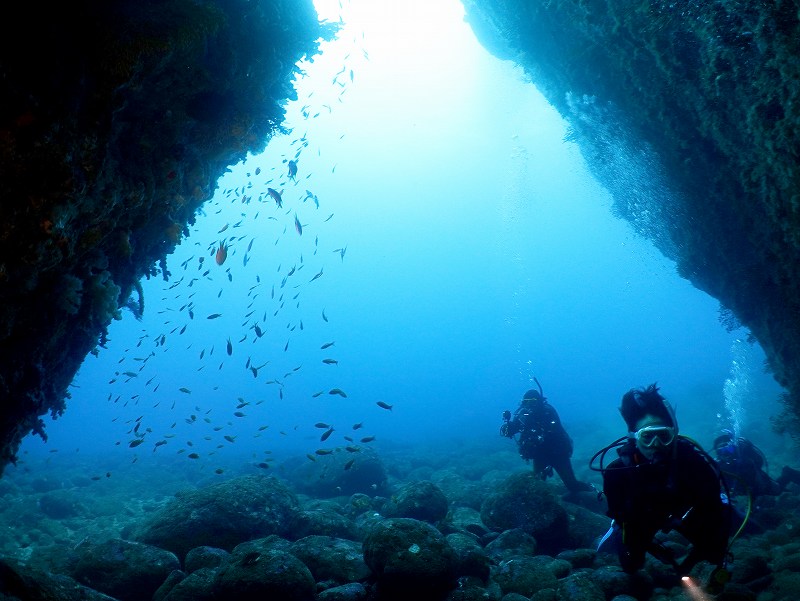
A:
(650, 435)
(727, 450)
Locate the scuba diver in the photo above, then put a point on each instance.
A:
(661, 481)
(543, 439)
(745, 467)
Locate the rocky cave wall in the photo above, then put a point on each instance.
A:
(116, 120)
(689, 113)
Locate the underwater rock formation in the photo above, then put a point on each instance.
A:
(223, 515)
(116, 120)
(687, 112)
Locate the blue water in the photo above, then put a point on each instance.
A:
(479, 253)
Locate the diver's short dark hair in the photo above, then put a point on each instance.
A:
(638, 402)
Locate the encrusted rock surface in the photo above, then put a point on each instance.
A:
(116, 120)
(223, 515)
(687, 112)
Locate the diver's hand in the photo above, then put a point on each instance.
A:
(717, 580)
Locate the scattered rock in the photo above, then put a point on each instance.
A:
(124, 569)
(473, 591)
(358, 504)
(736, 592)
(471, 558)
(175, 577)
(579, 558)
(524, 575)
(468, 520)
(515, 597)
(614, 582)
(329, 558)
(352, 591)
(327, 477)
(222, 515)
(419, 501)
(268, 575)
(21, 582)
(585, 527)
(458, 489)
(579, 587)
(204, 557)
(752, 568)
(511, 543)
(324, 518)
(409, 557)
(525, 502)
(197, 586)
(61, 504)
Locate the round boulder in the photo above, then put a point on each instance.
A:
(353, 591)
(197, 586)
(222, 515)
(525, 575)
(324, 518)
(579, 587)
(510, 543)
(471, 558)
(409, 557)
(268, 575)
(204, 557)
(468, 519)
(341, 473)
(525, 502)
(123, 569)
(332, 559)
(418, 500)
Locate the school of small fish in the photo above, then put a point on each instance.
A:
(260, 212)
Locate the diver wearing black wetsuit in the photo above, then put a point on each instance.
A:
(543, 439)
(662, 482)
(745, 467)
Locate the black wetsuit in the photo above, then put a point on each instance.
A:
(543, 439)
(680, 492)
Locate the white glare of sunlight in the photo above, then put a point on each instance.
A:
(398, 24)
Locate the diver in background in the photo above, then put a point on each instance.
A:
(745, 467)
(542, 439)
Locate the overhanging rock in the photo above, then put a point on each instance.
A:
(688, 113)
(116, 120)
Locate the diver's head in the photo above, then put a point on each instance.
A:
(650, 419)
(532, 397)
(725, 445)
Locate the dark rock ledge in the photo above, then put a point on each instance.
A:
(116, 120)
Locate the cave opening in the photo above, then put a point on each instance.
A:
(460, 248)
